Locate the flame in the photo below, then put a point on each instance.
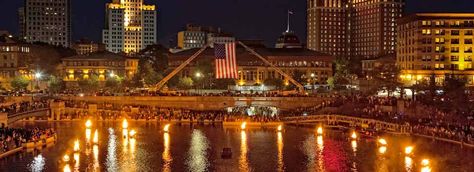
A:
(280, 128)
(320, 130)
(383, 141)
(354, 135)
(166, 128)
(96, 137)
(243, 125)
(132, 133)
(124, 124)
(66, 158)
(76, 146)
(88, 123)
(409, 150)
(382, 150)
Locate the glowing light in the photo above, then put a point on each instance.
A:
(382, 149)
(354, 145)
(88, 135)
(425, 162)
(132, 133)
(96, 137)
(76, 146)
(76, 161)
(319, 141)
(88, 123)
(243, 125)
(124, 124)
(354, 135)
(408, 163)
(66, 158)
(409, 150)
(280, 128)
(125, 133)
(166, 128)
(383, 141)
(67, 168)
(166, 155)
(320, 130)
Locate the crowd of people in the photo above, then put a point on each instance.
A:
(108, 111)
(12, 138)
(24, 106)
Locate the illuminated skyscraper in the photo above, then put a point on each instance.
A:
(46, 21)
(130, 26)
(348, 28)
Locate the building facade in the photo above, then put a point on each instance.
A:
(46, 21)
(349, 28)
(84, 46)
(130, 26)
(13, 57)
(436, 44)
(102, 65)
(315, 67)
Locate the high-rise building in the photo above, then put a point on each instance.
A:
(349, 28)
(130, 26)
(46, 21)
(433, 45)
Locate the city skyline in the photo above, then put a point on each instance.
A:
(170, 20)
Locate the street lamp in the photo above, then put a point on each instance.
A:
(198, 75)
(38, 76)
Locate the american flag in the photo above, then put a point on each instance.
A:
(226, 63)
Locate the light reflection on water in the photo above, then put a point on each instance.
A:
(166, 153)
(197, 156)
(243, 161)
(281, 164)
(198, 148)
(38, 164)
(111, 161)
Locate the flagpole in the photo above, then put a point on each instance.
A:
(288, 21)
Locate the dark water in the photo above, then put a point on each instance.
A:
(198, 148)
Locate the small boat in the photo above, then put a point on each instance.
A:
(226, 153)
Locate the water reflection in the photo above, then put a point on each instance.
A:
(76, 161)
(111, 154)
(38, 164)
(381, 162)
(88, 135)
(243, 161)
(281, 165)
(166, 153)
(319, 152)
(197, 156)
(408, 164)
(95, 151)
(67, 168)
(354, 150)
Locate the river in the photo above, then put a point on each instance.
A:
(199, 147)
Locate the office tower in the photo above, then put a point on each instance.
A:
(130, 26)
(46, 21)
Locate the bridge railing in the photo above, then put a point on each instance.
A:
(353, 121)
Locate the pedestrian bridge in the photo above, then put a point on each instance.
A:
(347, 121)
(8, 119)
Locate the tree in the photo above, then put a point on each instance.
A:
(19, 83)
(114, 83)
(277, 82)
(55, 84)
(224, 83)
(185, 82)
(89, 85)
(157, 56)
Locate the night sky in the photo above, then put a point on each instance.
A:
(246, 19)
